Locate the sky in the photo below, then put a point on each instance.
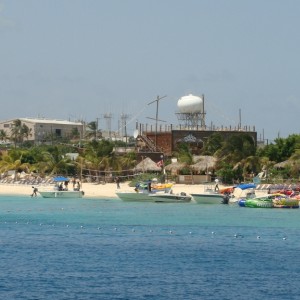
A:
(86, 59)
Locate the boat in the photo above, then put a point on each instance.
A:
(284, 201)
(61, 194)
(243, 191)
(257, 202)
(138, 196)
(157, 197)
(153, 186)
(209, 196)
(61, 190)
(170, 197)
(275, 200)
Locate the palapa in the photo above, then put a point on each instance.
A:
(283, 164)
(147, 165)
(205, 163)
(174, 167)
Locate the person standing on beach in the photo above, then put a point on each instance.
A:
(117, 182)
(217, 185)
(34, 193)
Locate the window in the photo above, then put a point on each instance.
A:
(58, 132)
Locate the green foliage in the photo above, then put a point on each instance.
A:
(227, 173)
(185, 171)
(213, 144)
(237, 157)
(184, 154)
(282, 149)
(237, 147)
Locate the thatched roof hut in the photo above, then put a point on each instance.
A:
(147, 165)
(283, 164)
(204, 163)
(175, 167)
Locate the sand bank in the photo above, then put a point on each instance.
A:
(92, 190)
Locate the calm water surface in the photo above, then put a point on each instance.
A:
(109, 249)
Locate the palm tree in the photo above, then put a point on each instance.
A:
(16, 131)
(236, 148)
(25, 131)
(93, 130)
(295, 164)
(3, 135)
(55, 163)
(250, 165)
(9, 162)
(213, 144)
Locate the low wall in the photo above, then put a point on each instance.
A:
(193, 179)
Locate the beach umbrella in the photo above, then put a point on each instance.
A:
(174, 167)
(147, 165)
(60, 178)
(204, 163)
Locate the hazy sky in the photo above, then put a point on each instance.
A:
(81, 59)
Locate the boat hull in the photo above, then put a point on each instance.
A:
(270, 201)
(286, 203)
(61, 194)
(208, 198)
(254, 203)
(153, 197)
(171, 198)
(134, 196)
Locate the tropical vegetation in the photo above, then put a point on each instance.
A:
(238, 157)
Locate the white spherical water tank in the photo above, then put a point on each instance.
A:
(190, 104)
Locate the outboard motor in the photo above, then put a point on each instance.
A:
(226, 198)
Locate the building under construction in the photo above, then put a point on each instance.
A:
(157, 140)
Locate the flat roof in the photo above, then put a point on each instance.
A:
(44, 121)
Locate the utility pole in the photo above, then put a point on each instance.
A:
(97, 126)
(108, 117)
(156, 117)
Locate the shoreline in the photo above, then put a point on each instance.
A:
(96, 190)
(91, 190)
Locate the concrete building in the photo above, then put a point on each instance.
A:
(41, 130)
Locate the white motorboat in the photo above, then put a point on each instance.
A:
(61, 194)
(171, 198)
(58, 191)
(209, 196)
(158, 197)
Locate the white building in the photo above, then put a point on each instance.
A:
(44, 129)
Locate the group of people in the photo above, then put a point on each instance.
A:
(76, 185)
(64, 186)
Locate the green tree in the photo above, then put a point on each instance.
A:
(16, 131)
(236, 148)
(213, 144)
(25, 131)
(56, 163)
(3, 135)
(92, 130)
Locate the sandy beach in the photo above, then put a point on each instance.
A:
(92, 190)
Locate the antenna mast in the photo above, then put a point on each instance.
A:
(156, 118)
(108, 117)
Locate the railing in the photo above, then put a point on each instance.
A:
(148, 142)
(170, 127)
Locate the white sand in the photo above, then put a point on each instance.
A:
(92, 190)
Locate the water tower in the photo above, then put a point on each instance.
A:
(191, 111)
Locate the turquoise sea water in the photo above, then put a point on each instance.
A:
(109, 249)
